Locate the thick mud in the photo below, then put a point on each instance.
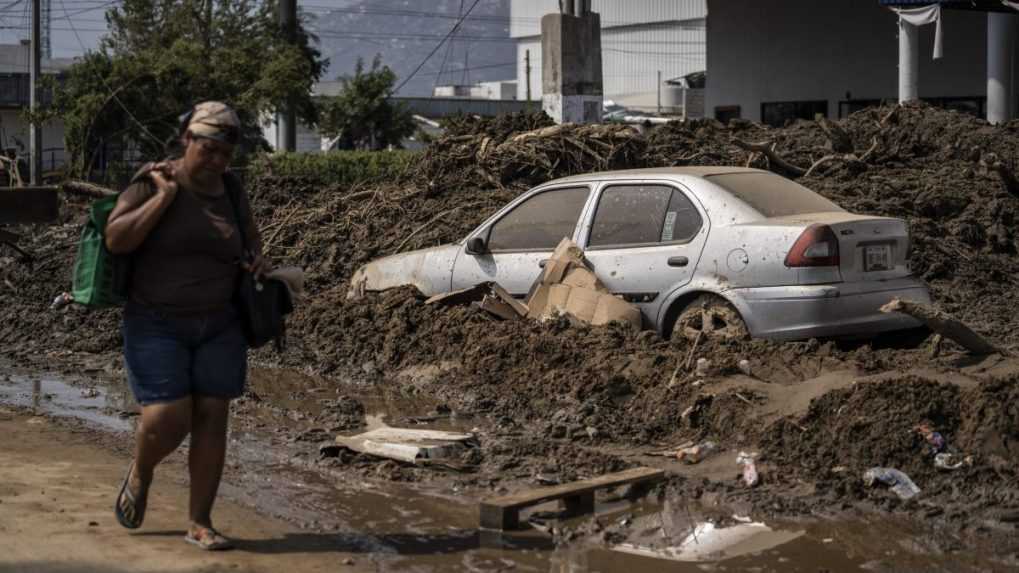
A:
(685, 526)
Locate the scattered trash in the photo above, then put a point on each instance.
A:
(488, 296)
(703, 364)
(696, 454)
(744, 366)
(934, 439)
(748, 464)
(408, 445)
(63, 299)
(946, 461)
(894, 479)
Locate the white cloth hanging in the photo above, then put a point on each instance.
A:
(922, 16)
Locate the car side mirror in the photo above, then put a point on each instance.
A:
(475, 246)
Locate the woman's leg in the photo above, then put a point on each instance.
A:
(208, 450)
(161, 430)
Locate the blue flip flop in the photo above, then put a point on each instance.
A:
(137, 509)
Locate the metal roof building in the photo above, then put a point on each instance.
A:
(644, 42)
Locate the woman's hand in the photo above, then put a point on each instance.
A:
(258, 266)
(163, 175)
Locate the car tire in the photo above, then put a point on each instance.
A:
(710, 316)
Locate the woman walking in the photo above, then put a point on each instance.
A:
(184, 348)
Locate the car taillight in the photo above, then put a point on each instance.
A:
(817, 246)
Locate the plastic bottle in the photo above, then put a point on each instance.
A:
(748, 464)
(897, 481)
(695, 454)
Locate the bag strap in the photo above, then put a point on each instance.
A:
(233, 193)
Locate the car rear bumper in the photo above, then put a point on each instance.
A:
(829, 310)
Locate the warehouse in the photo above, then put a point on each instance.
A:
(774, 61)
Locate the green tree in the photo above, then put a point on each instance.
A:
(362, 116)
(162, 56)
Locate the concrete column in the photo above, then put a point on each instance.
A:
(909, 61)
(571, 68)
(1000, 49)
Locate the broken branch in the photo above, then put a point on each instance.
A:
(86, 189)
(767, 148)
(942, 323)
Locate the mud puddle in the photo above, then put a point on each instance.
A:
(434, 528)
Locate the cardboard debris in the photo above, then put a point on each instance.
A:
(408, 445)
(568, 286)
(489, 296)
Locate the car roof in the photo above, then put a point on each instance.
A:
(699, 171)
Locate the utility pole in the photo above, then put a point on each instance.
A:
(659, 92)
(35, 133)
(208, 26)
(286, 135)
(527, 72)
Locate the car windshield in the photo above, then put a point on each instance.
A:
(773, 195)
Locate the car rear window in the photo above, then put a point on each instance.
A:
(773, 195)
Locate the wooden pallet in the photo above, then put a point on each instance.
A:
(503, 512)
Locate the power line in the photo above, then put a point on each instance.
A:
(437, 46)
(113, 93)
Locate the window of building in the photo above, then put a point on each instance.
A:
(540, 222)
(643, 215)
(725, 113)
(776, 114)
(851, 106)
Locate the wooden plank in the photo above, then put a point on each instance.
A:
(577, 497)
(28, 205)
(540, 495)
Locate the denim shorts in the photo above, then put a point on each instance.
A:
(171, 357)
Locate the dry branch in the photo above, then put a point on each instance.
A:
(1008, 179)
(768, 149)
(941, 323)
(86, 189)
(837, 137)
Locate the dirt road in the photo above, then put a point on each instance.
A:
(56, 497)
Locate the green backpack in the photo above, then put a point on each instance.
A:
(100, 278)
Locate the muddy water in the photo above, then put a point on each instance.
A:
(426, 529)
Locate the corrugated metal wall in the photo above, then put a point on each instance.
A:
(525, 15)
(631, 59)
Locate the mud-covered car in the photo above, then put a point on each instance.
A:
(722, 250)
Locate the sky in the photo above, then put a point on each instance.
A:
(77, 24)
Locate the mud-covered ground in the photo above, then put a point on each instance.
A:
(554, 402)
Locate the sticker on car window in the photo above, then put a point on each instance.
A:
(670, 226)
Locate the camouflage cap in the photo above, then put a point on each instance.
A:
(214, 120)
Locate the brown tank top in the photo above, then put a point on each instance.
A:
(188, 264)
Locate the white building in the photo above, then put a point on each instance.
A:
(776, 60)
(14, 99)
(644, 43)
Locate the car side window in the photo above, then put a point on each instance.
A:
(540, 222)
(682, 221)
(642, 215)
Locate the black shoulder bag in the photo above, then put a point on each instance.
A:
(263, 304)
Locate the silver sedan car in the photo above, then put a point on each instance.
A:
(718, 251)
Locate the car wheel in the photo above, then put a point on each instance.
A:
(710, 316)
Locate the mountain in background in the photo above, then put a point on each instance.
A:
(403, 32)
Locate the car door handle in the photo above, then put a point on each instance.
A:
(678, 261)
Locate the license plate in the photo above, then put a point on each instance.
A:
(877, 258)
